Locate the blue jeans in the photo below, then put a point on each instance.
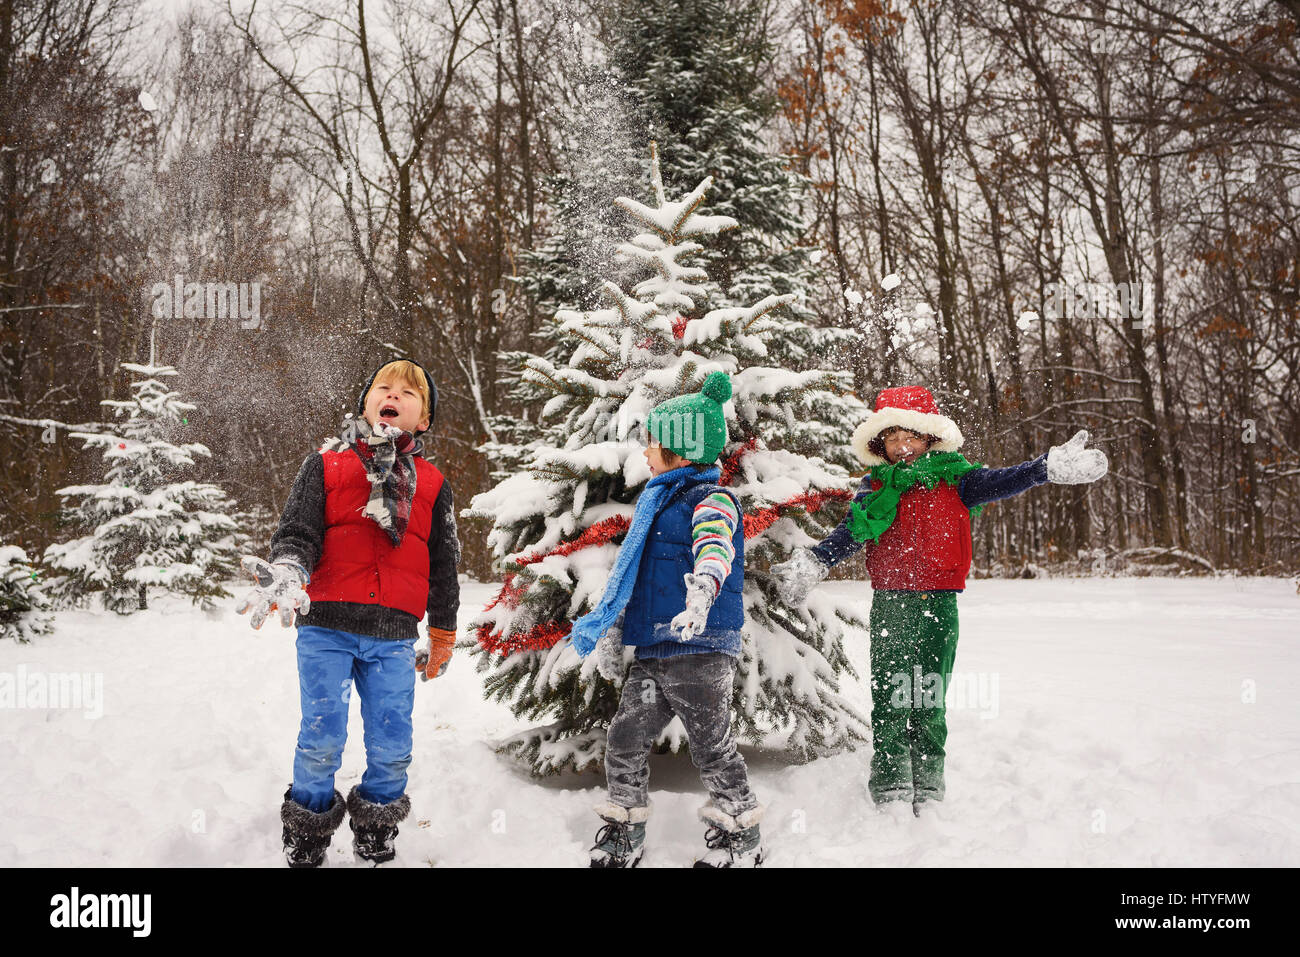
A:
(330, 662)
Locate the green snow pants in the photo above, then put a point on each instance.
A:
(913, 646)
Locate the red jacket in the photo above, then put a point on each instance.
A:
(928, 546)
(358, 563)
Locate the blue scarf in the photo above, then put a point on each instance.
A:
(589, 629)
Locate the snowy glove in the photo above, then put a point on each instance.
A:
(431, 662)
(1072, 464)
(796, 577)
(700, 592)
(609, 655)
(278, 586)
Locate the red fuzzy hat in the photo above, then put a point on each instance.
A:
(910, 407)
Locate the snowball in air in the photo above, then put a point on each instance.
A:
(890, 282)
(147, 102)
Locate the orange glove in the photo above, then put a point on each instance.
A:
(433, 662)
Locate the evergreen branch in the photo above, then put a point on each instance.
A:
(691, 207)
(766, 306)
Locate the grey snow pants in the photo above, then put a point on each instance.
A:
(697, 689)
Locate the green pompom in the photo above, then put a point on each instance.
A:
(717, 386)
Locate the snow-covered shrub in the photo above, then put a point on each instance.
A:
(24, 605)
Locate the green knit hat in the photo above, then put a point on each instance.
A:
(693, 425)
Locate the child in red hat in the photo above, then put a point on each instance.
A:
(912, 513)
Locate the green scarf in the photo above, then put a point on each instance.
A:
(868, 521)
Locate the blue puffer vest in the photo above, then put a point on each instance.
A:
(659, 594)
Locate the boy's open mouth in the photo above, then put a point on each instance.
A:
(388, 412)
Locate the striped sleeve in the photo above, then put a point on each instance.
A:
(712, 526)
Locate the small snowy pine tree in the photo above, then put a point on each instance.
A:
(147, 529)
(555, 524)
(24, 606)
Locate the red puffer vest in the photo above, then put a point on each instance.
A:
(928, 546)
(358, 563)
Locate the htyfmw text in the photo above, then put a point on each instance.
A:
(1220, 899)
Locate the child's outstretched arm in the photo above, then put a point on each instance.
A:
(988, 485)
(444, 585)
(840, 543)
(807, 566)
(713, 523)
(1068, 464)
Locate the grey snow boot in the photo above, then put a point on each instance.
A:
(307, 833)
(374, 826)
(621, 841)
(732, 841)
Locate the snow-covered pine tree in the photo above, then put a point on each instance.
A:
(687, 74)
(24, 606)
(147, 528)
(556, 524)
(694, 67)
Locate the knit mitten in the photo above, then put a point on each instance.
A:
(1072, 464)
(700, 592)
(609, 655)
(431, 662)
(798, 576)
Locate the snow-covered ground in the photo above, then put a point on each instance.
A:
(1104, 722)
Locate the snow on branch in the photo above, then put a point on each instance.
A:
(675, 220)
(736, 321)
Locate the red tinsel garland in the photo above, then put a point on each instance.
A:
(599, 534)
(538, 638)
(761, 521)
(543, 636)
(731, 464)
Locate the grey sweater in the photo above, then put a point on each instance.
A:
(301, 536)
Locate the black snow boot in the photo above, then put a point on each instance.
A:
(621, 841)
(732, 841)
(307, 833)
(374, 826)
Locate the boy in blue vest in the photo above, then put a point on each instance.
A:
(366, 547)
(675, 594)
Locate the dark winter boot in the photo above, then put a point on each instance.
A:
(621, 841)
(374, 826)
(307, 833)
(732, 841)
